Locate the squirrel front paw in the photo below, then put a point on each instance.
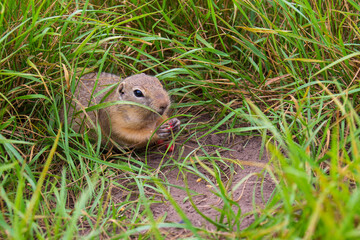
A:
(171, 126)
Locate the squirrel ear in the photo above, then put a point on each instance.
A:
(121, 89)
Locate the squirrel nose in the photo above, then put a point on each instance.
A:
(162, 109)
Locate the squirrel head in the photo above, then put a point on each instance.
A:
(146, 90)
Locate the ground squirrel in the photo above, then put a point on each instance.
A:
(128, 125)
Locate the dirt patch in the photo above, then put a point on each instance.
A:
(247, 182)
(241, 162)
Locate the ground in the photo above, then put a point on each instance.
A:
(246, 180)
(247, 150)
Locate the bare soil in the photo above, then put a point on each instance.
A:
(251, 195)
(242, 163)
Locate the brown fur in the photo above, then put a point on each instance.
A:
(127, 125)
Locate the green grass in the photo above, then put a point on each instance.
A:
(290, 70)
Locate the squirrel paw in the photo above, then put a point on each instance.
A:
(165, 130)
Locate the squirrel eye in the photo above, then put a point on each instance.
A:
(138, 93)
